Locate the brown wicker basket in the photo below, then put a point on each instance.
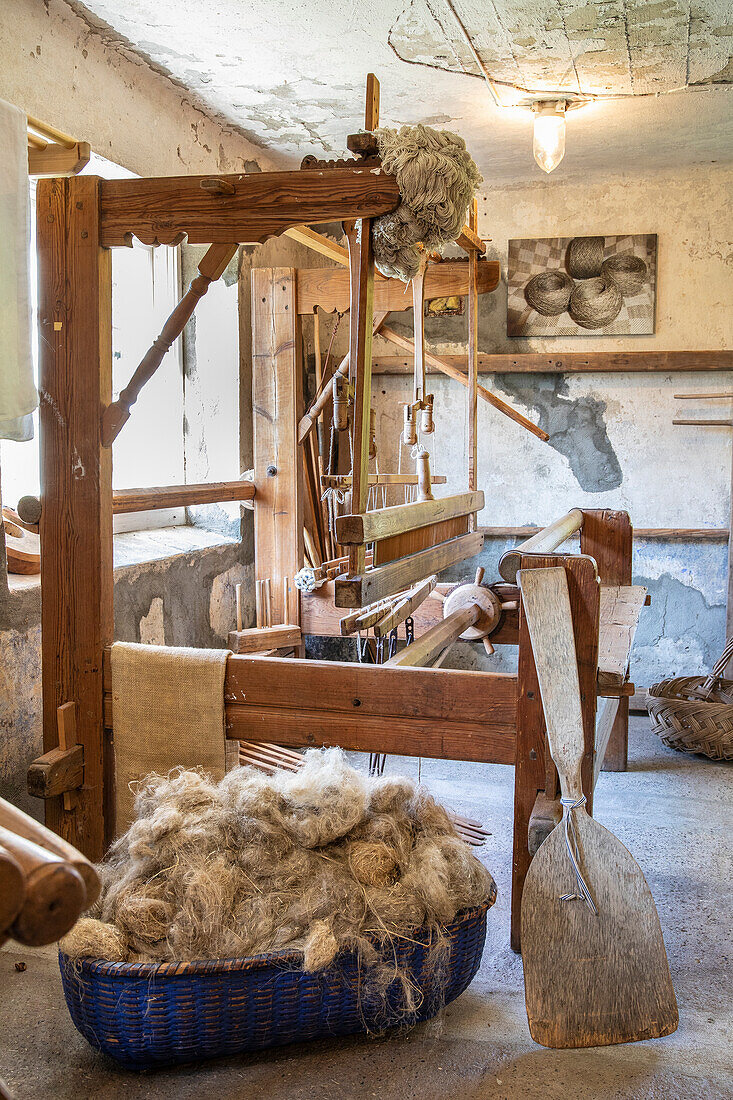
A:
(695, 713)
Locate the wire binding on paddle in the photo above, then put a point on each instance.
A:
(571, 843)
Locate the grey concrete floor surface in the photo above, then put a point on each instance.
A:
(671, 810)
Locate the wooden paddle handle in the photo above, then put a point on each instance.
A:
(54, 892)
(546, 606)
(12, 890)
(18, 822)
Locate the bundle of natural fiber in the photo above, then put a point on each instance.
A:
(626, 271)
(322, 859)
(549, 292)
(437, 179)
(584, 257)
(595, 303)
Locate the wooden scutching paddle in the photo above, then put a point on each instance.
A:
(595, 967)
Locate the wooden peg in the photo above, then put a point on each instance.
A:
(238, 598)
(479, 575)
(372, 433)
(422, 467)
(340, 402)
(371, 113)
(427, 423)
(218, 187)
(409, 430)
(490, 651)
(66, 725)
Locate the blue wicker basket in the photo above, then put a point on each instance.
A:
(155, 1014)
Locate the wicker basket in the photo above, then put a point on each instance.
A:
(155, 1014)
(695, 713)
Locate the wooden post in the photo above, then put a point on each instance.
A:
(472, 411)
(529, 773)
(75, 317)
(608, 537)
(276, 401)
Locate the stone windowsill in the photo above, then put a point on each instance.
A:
(139, 547)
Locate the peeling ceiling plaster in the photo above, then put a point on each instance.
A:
(291, 74)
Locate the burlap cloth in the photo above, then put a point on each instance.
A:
(168, 711)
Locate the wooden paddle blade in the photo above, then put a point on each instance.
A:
(593, 980)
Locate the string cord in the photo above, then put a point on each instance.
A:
(571, 843)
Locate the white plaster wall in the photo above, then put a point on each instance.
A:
(56, 66)
(616, 428)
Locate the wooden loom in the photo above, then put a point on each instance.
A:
(401, 709)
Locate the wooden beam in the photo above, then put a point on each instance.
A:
(545, 541)
(444, 713)
(164, 209)
(319, 243)
(58, 160)
(424, 650)
(443, 365)
(180, 496)
(672, 534)
(385, 522)
(328, 287)
(361, 269)
(605, 722)
(75, 312)
(430, 712)
(276, 399)
(421, 538)
(259, 638)
(608, 537)
(472, 397)
(573, 362)
(355, 591)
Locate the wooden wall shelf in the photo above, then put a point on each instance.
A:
(572, 362)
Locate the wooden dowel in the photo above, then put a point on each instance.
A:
(705, 423)
(50, 133)
(268, 602)
(25, 826)
(544, 542)
(432, 643)
(12, 889)
(418, 327)
(54, 892)
(125, 501)
(212, 266)
(238, 599)
(446, 368)
(703, 396)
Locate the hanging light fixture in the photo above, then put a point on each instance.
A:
(548, 144)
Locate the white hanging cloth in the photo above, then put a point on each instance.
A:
(18, 395)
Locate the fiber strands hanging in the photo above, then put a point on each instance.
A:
(437, 179)
(322, 859)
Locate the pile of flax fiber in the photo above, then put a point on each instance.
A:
(318, 860)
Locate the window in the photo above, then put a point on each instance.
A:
(149, 450)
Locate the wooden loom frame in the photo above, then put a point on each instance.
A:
(489, 717)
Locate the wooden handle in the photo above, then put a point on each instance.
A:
(54, 892)
(12, 889)
(546, 605)
(18, 822)
(544, 542)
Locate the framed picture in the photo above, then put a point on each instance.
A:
(582, 286)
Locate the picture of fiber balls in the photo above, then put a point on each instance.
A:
(574, 286)
(549, 292)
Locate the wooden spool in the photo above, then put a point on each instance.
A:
(23, 548)
(469, 595)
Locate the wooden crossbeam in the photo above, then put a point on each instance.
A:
(328, 287)
(319, 243)
(386, 522)
(164, 209)
(355, 591)
(421, 538)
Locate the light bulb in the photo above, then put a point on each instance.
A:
(549, 134)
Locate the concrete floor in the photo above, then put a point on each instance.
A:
(673, 813)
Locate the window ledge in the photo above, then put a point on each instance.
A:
(139, 547)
